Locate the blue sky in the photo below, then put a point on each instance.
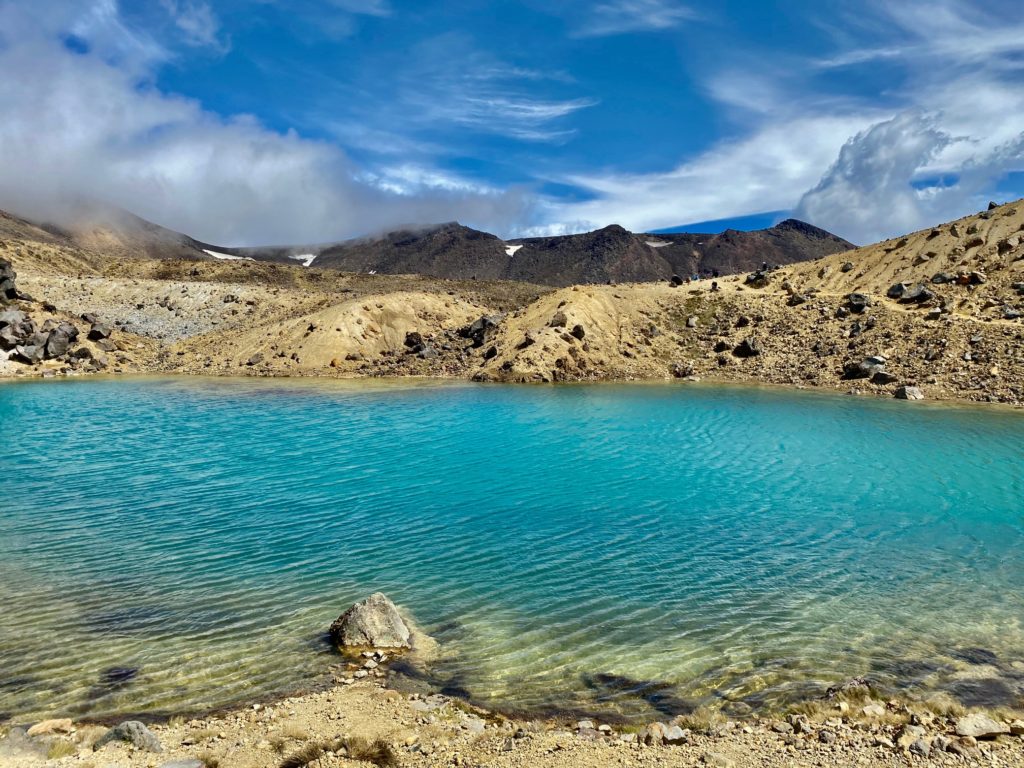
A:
(310, 120)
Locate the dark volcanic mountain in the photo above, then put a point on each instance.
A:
(612, 253)
(457, 252)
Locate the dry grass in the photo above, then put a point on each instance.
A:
(209, 761)
(943, 705)
(176, 722)
(61, 748)
(295, 732)
(378, 752)
(204, 734)
(702, 720)
(89, 734)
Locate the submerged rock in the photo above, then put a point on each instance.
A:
(132, 732)
(371, 623)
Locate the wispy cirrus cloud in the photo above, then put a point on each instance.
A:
(617, 17)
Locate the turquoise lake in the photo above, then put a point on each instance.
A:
(176, 545)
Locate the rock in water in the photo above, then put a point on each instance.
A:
(133, 732)
(371, 623)
(980, 726)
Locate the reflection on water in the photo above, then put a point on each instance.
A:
(182, 544)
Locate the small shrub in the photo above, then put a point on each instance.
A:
(210, 761)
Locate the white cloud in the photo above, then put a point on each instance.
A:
(867, 192)
(448, 81)
(197, 22)
(616, 17)
(765, 171)
(854, 163)
(93, 126)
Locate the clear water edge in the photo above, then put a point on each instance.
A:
(516, 534)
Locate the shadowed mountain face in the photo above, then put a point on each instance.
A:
(458, 252)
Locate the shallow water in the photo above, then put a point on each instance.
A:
(183, 544)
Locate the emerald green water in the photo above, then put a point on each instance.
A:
(175, 544)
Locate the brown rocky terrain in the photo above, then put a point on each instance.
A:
(938, 310)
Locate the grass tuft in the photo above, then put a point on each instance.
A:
(303, 757)
(378, 752)
(295, 732)
(61, 748)
(701, 720)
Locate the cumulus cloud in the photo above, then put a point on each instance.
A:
(867, 192)
(858, 165)
(93, 126)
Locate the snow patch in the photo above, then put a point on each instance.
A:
(227, 256)
(511, 249)
(305, 258)
(657, 243)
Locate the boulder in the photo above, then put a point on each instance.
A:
(847, 267)
(917, 295)
(12, 317)
(132, 732)
(57, 343)
(907, 392)
(371, 623)
(865, 369)
(99, 331)
(29, 354)
(675, 735)
(478, 330)
(559, 320)
(578, 332)
(9, 337)
(47, 727)
(8, 289)
(414, 340)
(653, 735)
(748, 348)
(896, 291)
(858, 302)
(980, 726)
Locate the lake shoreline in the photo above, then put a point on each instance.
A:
(432, 729)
